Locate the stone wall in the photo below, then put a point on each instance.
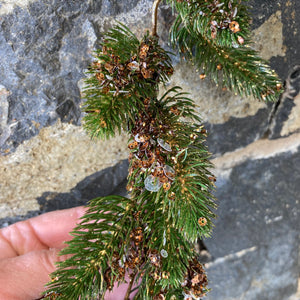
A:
(47, 161)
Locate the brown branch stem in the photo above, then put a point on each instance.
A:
(130, 285)
(154, 17)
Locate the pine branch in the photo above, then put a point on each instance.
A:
(150, 236)
(216, 36)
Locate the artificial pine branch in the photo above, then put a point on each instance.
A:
(149, 237)
(215, 34)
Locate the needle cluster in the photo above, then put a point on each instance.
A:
(216, 36)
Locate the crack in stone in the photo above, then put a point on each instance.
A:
(272, 117)
(203, 253)
(291, 90)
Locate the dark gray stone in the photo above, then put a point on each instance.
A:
(44, 52)
(259, 210)
(115, 7)
(258, 201)
(260, 273)
(237, 132)
(261, 10)
(35, 44)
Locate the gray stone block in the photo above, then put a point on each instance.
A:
(258, 273)
(255, 243)
(44, 50)
(283, 110)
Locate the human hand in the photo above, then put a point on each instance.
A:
(29, 250)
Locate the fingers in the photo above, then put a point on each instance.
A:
(49, 230)
(26, 260)
(119, 291)
(23, 277)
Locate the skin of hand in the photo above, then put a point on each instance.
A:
(29, 250)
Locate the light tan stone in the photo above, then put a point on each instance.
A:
(260, 149)
(56, 160)
(213, 104)
(268, 38)
(293, 122)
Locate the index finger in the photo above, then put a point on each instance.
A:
(46, 231)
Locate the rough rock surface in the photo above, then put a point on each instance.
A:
(49, 163)
(53, 161)
(46, 47)
(258, 228)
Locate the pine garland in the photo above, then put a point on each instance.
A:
(150, 235)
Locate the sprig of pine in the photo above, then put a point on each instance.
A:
(124, 71)
(215, 34)
(150, 236)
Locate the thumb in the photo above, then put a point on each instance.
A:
(24, 277)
